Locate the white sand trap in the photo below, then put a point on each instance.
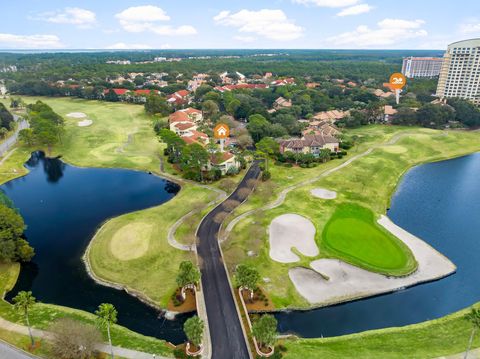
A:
(77, 115)
(291, 230)
(347, 282)
(85, 123)
(323, 193)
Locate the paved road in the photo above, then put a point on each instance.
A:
(228, 340)
(8, 352)
(12, 140)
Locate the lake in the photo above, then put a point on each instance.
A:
(63, 206)
(439, 203)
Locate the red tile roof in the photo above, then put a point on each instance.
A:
(144, 92)
(184, 125)
(119, 92)
(225, 156)
(178, 116)
(191, 111)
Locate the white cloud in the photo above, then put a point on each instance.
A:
(355, 10)
(328, 3)
(12, 41)
(124, 46)
(71, 15)
(470, 27)
(147, 18)
(271, 24)
(389, 32)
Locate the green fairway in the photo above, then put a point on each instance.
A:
(353, 235)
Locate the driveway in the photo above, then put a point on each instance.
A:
(227, 337)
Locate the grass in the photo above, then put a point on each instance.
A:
(23, 342)
(445, 336)
(353, 235)
(368, 182)
(154, 273)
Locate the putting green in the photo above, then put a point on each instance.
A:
(353, 235)
(131, 241)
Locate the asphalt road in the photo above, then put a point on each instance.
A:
(228, 340)
(10, 141)
(7, 352)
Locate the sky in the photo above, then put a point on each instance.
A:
(237, 24)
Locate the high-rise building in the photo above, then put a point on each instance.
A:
(460, 73)
(421, 66)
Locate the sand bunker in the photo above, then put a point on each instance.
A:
(347, 282)
(323, 193)
(131, 241)
(77, 115)
(288, 231)
(84, 123)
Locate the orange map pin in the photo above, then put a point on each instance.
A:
(398, 81)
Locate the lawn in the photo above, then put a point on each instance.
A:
(445, 336)
(353, 235)
(368, 182)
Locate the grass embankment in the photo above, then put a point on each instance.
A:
(445, 336)
(121, 136)
(42, 316)
(368, 182)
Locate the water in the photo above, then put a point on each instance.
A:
(440, 203)
(63, 206)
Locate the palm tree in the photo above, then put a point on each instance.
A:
(107, 315)
(24, 301)
(474, 318)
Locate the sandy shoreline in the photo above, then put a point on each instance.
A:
(347, 282)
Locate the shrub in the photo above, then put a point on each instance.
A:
(266, 175)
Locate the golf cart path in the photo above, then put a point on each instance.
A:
(105, 348)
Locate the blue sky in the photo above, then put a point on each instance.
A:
(317, 24)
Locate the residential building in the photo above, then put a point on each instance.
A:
(193, 114)
(179, 98)
(331, 116)
(388, 113)
(283, 82)
(311, 144)
(282, 103)
(224, 161)
(321, 127)
(239, 86)
(460, 73)
(414, 67)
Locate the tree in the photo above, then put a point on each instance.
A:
(111, 96)
(194, 328)
(232, 106)
(23, 302)
(465, 112)
(26, 136)
(435, 116)
(187, 277)
(12, 246)
(247, 277)
(267, 147)
(474, 318)
(258, 126)
(3, 132)
(6, 118)
(107, 315)
(74, 339)
(157, 104)
(405, 116)
(209, 108)
(265, 330)
(194, 159)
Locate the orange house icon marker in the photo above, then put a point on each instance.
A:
(221, 131)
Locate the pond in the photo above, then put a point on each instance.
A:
(439, 203)
(63, 206)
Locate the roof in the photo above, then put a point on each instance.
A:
(225, 156)
(389, 110)
(314, 140)
(191, 111)
(144, 92)
(119, 92)
(194, 136)
(182, 126)
(178, 116)
(182, 93)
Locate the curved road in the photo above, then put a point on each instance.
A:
(227, 337)
(12, 140)
(7, 351)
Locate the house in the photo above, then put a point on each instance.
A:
(382, 94)
(179, 98)
(283, 82)
(331, 116)
(193, 114)
(311, 144)
(183, 128)
(227, 88)
(282, 103)
(388, 113)
(224, 161)
(194, 136)
(312, 85)
(321, 127)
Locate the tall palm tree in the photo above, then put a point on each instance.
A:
(107, 315)
(24, 301)
(474, 318)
